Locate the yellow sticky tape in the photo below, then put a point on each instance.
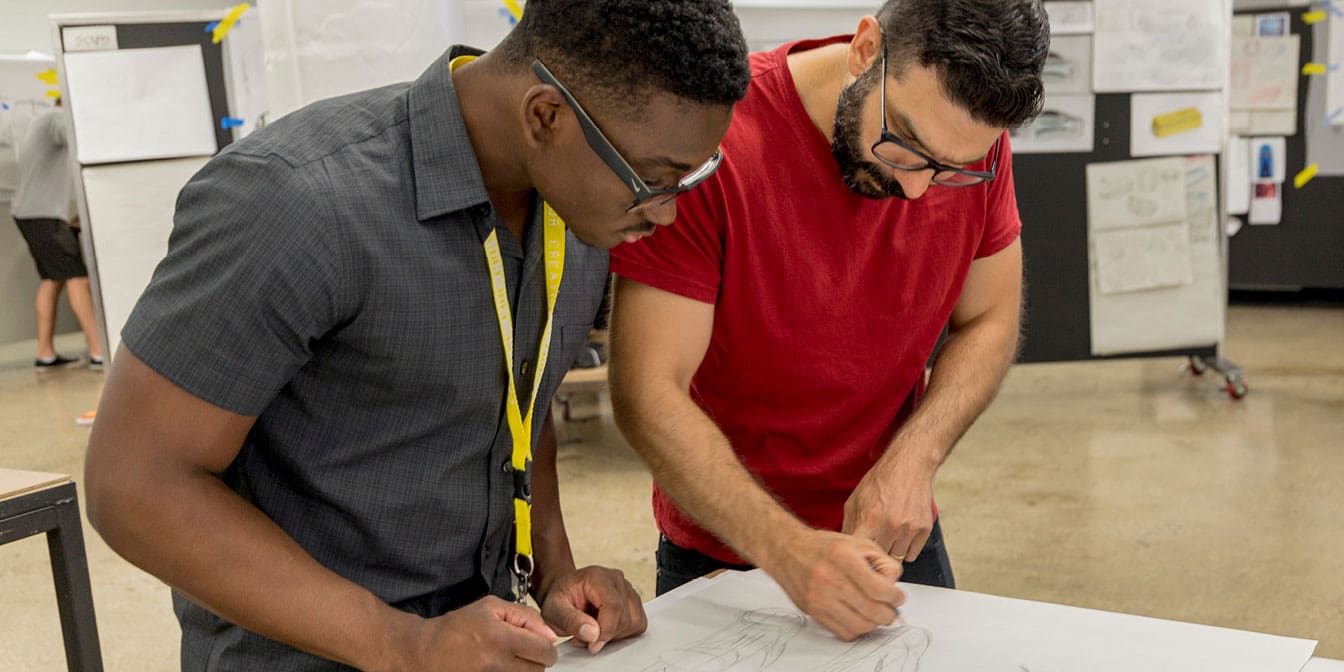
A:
(1314, 17)
(226, 24)
(53, 93)
(1179, 121)
(514, 8)
(1306, 175)
(1314, 69)
(48, 76)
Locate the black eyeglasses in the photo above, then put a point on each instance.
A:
(645, 196)
(898, 154)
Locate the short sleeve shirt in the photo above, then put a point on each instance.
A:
(326, 274)
(827, 305)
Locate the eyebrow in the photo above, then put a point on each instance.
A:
(903, 123)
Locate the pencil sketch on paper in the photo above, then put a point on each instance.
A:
(1159, 45)
(760, 636)
(1135, 193)
(757, 640)
(896, 650)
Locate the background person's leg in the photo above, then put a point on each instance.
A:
(81, 302)
(48, 292)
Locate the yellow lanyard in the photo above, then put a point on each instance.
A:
(520, 421)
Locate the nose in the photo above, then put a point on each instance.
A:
(661, 215)
(914, 184)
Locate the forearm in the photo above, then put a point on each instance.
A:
(191, 531)
(964, 380)
(552, 555)
(694, 463)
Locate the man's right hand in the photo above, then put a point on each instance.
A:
(488, 634)
(845, 583)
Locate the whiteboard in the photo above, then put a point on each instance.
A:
(136, 104)
(131, 209)
(1161, 45)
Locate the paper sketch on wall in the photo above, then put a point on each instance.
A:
(1160, 45)
(1068, 66)
(1138, 228)
(1263, 87)
(1065, 124)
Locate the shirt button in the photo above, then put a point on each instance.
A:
(482, 210)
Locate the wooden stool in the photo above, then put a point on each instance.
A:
(32, 503)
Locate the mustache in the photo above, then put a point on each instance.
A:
(645, 227)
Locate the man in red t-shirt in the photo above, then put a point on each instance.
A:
(768, 351)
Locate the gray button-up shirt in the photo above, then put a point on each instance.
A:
(326, 274)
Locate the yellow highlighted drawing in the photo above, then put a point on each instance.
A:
(1306, 175)
(514, 8)
(53, 93)
(48, 76)
(1314, 69)
(1314, 17)
(1180, 121)
(228, 21)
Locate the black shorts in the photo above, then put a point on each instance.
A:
(55, 248)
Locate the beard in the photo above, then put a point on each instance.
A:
(862, 176)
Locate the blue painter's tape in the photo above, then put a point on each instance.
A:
(230, 122)
(210, 27)
(4, 106)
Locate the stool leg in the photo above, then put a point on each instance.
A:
(74, 596)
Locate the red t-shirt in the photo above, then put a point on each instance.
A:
(827, 305)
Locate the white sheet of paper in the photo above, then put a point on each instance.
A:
(1238, 176)
(1334, 91)
(1069, 18)
(1325, 143)
(1324, 665)
(1160, 45)
(1243, 25)
(135, 104)
(1179, 316)
(1268, 159)
(1272, 122)
(1265, 72)
(131, 209)
(1068, 69)
(247, 76)
(744, 621)
(1124, 194)
(1207, 139)
(1066, 124)
(1143, 257)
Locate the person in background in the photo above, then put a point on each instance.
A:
(329, 413)
(769, 351)
(44, 210)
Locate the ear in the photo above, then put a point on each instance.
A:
(542, 116)
(865, 50)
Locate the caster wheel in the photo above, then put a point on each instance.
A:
(1197, 366)
(1236, 389)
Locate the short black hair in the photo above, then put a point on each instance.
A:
(988, 53)
(611, 51)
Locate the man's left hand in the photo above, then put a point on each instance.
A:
(893, 506)
(596, 605)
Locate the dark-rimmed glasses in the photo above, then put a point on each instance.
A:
(645, 196)
(898, 154)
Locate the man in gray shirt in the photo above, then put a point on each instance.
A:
(317, 429)
(44, 210)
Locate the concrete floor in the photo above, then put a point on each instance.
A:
(1125, 485)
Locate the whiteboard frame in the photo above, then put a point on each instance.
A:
(58, 22)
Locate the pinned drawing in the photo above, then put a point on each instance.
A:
(1159, 45)
(1064, 125)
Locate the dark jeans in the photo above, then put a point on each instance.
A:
(678, 566)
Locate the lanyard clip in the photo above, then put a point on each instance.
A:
(522, 481)
(522, 571)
